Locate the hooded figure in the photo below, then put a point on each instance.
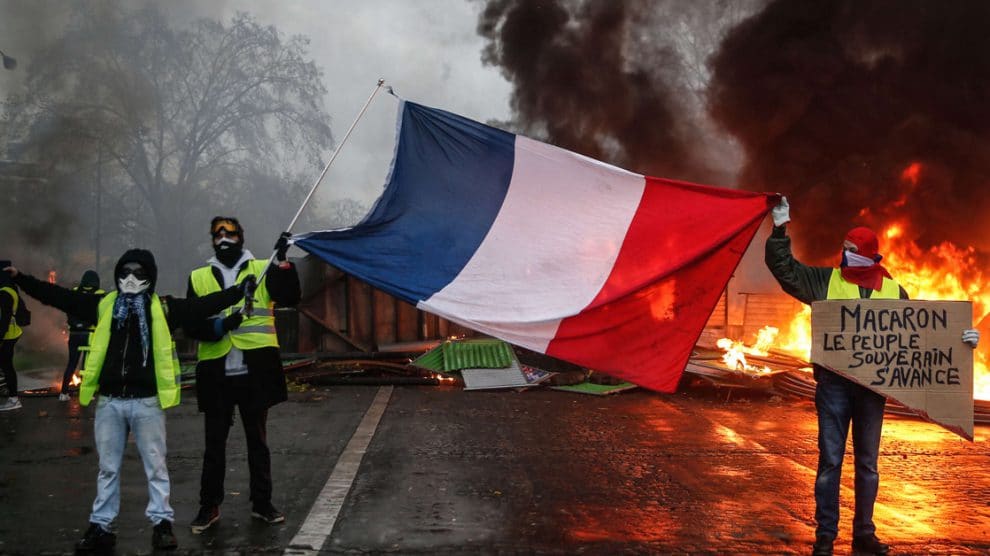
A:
(79, 331)
(90, 281)
(132, 371)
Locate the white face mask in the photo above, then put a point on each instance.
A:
(130, 284)
(857, 260)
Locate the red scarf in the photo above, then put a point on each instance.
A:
(863, 241)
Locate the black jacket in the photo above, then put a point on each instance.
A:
(89, 283)
(6, 312)
(264, 365)
(6, 303)
(802, 282)
(124, 372)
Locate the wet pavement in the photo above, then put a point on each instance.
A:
(536, 472)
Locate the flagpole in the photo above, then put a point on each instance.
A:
(271, 259)
(327, 167)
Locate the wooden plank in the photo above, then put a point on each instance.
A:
(407, 322)
(384, 322)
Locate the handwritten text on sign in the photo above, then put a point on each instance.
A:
(910, 351)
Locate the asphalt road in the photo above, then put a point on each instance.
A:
(535, 472)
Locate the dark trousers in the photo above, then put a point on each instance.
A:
(217, 425)
(7, 365)
(838, 402)
(76, 340)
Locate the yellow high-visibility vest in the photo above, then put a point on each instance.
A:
(256, 331)
(839, 288)
(164, 356)
(13, 330)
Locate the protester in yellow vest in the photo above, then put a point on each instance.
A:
(133, 373)
(79, 331)
(239, 366)
(10, 332)
(839, 401)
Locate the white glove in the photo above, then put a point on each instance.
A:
(781, 213)
(971, 337)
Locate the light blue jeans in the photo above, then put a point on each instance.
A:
(115, 417)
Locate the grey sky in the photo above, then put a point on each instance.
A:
(428, 51)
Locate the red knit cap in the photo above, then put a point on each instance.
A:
(866, 245)
(865, 241)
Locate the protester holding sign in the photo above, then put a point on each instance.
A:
(838, 400)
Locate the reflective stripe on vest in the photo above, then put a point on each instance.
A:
(839, 288)
(13, 329)
(164, 356)
(256, 331)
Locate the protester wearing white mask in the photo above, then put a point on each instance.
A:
(132, 372)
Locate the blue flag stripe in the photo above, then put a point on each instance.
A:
(449, 180)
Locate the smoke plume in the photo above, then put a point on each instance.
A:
(863, 113)
(596, 78)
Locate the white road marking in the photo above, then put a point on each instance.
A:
(322, 516)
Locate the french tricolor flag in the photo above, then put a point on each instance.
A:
(545, 248)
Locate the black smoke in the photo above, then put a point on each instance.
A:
(598, 78)
(833, 101)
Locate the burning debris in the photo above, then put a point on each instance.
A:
(863, 112)
(871, 114)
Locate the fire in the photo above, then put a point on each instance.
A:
(947, 272)
(76, 380)
(911, 173)
(52, 276)
(735, 351)
(943, 272)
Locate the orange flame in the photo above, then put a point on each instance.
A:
(943, 272)
(912, 173)
(735, 351)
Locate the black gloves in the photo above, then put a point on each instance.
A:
(232, 322)
(248, 285)
(281, 246)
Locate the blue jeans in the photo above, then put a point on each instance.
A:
(838, 402)
(115, 417)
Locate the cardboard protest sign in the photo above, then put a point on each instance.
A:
(908, 351)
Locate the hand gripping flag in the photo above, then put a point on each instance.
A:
(545, 248)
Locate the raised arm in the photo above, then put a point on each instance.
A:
(83, 306)
(804, 283)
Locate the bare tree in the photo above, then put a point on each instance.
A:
(179, 124)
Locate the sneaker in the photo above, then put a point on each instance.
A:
(162, 537)
(268, 514)
(822, 546)
(63, 397)
(207, 516)
(96, 539)
(11, 403)
(869, 545)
